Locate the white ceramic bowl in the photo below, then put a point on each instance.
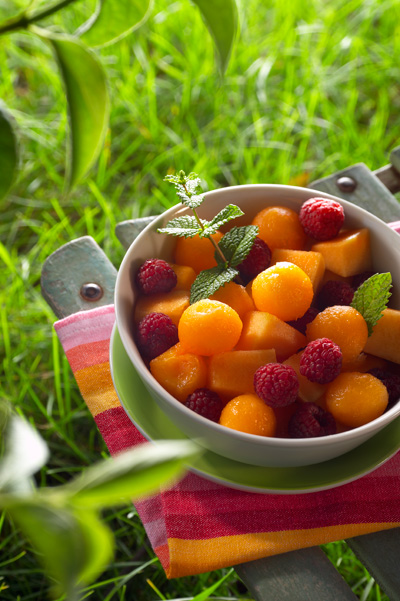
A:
(248, 448)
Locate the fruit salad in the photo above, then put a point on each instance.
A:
(288, 347)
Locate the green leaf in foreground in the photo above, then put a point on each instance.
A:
(371, 298)
(186, 225)
(236, 244)
(88, 101)
(74, 545)
(139, 471)
(221, 18)
(8, 153)
(111, 21)
(210, 280)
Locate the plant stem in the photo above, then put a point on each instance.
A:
(217, 248)
(23, 20)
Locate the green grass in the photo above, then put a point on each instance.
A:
(311, 88)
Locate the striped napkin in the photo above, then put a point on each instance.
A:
(198, 525)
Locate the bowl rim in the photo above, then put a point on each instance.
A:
(216, 428)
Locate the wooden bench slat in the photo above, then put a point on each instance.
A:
(75, 264)
(370, 193)
(380, 553)
(305, 575)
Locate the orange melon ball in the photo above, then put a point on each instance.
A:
(208, 327)
(280, 227)
(248, 413)
(341, 324)
(196, 252)
(284, 290)
(355, 399)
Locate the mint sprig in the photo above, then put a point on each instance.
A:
(231, 250)
(371, 298)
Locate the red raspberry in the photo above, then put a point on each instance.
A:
(205, 402)
(321, 218)
(310, 421)
(155, 334)
(321, 361)
(154, 276)
(302, 322)
(258, 259)
(360, 278)
(334, 292)
(276, 384)
(391, 381)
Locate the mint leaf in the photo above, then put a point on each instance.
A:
(186, 226)
(186, 188)
(371, 298)
(192, 181)
(210, 280)
(173, 179)
(236, 244)
(190, 201)
(227, 214)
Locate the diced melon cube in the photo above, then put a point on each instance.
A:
(235, 296)
(262, 330)
(312, 263)
(385, 339)
(178, 372)
(232, 373)
(171, 303)
(347, 254)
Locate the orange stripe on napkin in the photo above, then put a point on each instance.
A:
(187, 557)
(97, 388)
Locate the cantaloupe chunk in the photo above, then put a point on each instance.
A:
(309, 392)
(171, 303)
(185, 276)
(262, 330)
(232, 373)
(178, 372)
(236, 296)
(384, 341)
(312, 263)
(347, 254)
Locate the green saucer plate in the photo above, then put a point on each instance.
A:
(152, 422)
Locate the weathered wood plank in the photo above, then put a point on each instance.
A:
(128, 230)
(380, 553)
(368, 192)
(390, 178)
(395, 159)
(305, 575)
(67, 273)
